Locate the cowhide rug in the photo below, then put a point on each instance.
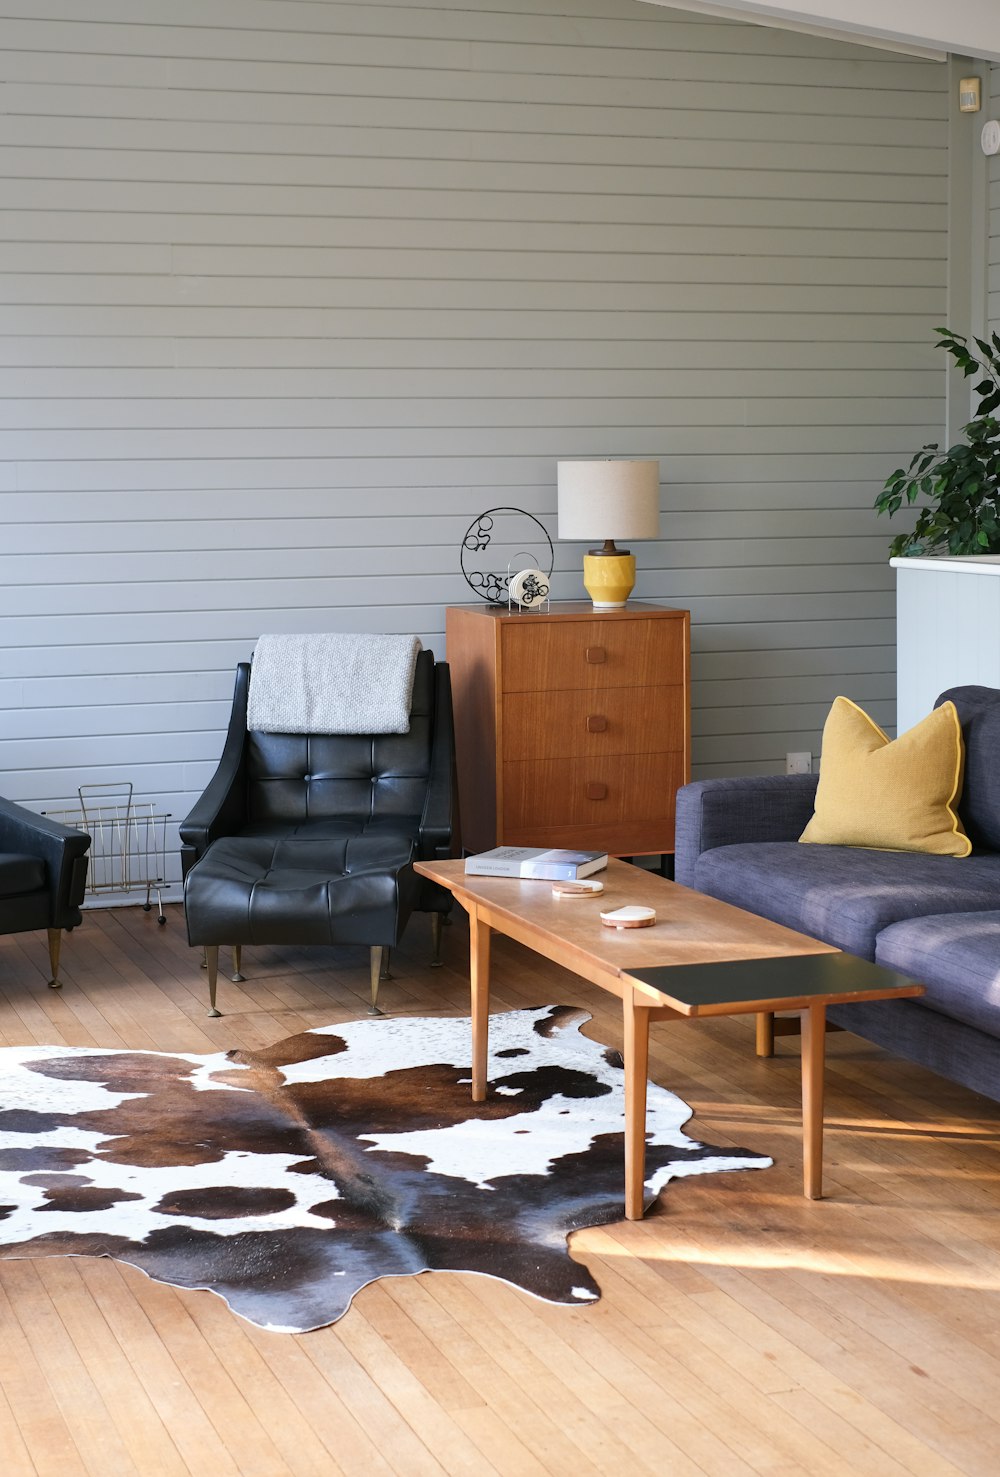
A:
(286, 1179)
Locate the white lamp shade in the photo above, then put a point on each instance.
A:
(608, 499)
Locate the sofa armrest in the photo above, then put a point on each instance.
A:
(220, 809)
(63, 850)
(727, 812)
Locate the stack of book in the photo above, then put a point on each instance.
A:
(535, 862)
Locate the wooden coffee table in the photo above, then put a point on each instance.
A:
(701, 958)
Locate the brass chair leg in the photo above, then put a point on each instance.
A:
(377, 962)
(212, 965)
(237, 977)
(55, 944)
(437, 921)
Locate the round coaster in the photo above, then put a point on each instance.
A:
(629, 917)
(530, 587)
(582, 888)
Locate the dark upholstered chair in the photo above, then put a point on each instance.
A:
(43, 875)
(310, 839)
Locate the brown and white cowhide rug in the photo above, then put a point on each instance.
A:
(286, 1179)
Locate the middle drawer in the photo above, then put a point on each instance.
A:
(573, 725)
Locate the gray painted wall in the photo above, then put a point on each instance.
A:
(292, 291)
(992, 110)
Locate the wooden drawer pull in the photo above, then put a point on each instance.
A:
(596, 791)
(596, 654)
(596, 723)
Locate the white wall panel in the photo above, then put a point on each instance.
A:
(290, 292)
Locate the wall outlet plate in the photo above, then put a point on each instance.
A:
(798, 764)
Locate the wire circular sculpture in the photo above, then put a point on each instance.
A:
(493, 542)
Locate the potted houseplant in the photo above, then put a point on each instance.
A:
(961, 485)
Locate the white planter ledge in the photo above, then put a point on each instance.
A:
(947, 629)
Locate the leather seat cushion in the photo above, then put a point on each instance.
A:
(302, 889)
(20, 873)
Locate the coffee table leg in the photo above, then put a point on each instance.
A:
(479, 973)
(765, 1033)
(636, 1056)
(813, 1072)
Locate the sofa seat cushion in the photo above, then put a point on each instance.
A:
(301, 890)
(844, 896)
(957, 957)
(20, 873)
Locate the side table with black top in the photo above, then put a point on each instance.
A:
(806, 983)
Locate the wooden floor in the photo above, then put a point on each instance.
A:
(742, 1329)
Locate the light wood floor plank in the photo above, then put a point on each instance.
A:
(14, 1453)
(185, 1408)
(297, 1442)
(126, 1402)
(743, 1331)
(77, 1393)
(403, 1386)
(45, 1433)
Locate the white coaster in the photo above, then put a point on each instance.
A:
(629, 917)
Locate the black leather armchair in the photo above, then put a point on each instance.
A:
(43, 875)
(310, 839)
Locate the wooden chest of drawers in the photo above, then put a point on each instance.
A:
(572, 726)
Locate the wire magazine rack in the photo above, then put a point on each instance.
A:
(128, 841)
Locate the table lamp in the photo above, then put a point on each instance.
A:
(608, 500)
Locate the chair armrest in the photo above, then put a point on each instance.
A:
(63, 850)
(436, 820)
(221, 808)
(728, 812)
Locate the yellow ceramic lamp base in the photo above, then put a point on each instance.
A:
(609, 579)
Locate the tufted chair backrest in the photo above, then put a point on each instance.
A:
(294, 777)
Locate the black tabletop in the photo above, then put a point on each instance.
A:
(737, 981)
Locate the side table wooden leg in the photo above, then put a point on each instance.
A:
(813, 1074)
(479, 973)
(636, 1055)
(765, 1032)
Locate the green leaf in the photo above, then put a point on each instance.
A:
(959, 489)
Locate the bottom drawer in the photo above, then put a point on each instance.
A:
(629, 793)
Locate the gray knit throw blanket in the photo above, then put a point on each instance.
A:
(331, 683)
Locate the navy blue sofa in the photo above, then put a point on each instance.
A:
(935, 919)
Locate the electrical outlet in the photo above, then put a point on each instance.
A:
(798, 764)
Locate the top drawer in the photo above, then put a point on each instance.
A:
(549, 656)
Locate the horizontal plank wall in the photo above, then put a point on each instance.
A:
(292, 291)
(992, 110)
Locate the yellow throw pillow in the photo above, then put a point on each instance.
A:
(890, 794)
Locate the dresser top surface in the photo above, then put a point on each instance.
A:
(571, 610)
